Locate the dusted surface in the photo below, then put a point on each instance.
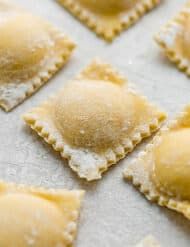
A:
(114, 213)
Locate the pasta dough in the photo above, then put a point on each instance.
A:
(30, 59)
(95, 120)
(38, 217)
(162, 172)
(108, 18)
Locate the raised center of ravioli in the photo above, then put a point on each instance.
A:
(28, 220)
(109, 6)
(172, 163)
(95, 114)
(24, 43)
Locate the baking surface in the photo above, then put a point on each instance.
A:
(114, 213)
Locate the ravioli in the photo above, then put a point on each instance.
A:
(174, 39)
(162, 171)
(108, 17)
(38, 217)
(149, 241)
(95, 120)
(31, 51)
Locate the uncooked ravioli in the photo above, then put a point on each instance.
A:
(174, 39)
(95, 120)
(31, 51)
(108, 18)
(162, 171)
(38, 217)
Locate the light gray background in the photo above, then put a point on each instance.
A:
(114, 213)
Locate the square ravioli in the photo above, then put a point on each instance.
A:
(28, 61)
(174, 39)
(149, 241)
(162, 171)
(38, 217)
(95, 120)
(108, 18)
